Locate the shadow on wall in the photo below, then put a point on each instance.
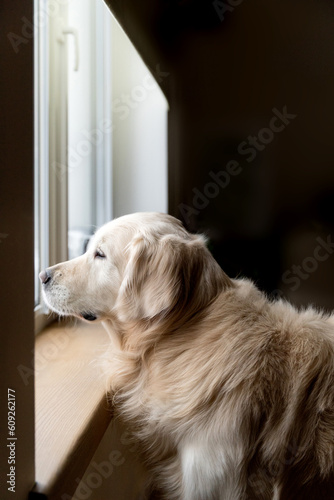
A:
(255, 169)
(250, 132)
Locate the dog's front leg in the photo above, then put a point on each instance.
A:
(209, 473)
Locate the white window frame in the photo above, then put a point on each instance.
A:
(50, 147)
(41, 159)
(51, 141)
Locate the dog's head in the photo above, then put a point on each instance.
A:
(136, 267)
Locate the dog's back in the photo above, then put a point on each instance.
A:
(239, 405)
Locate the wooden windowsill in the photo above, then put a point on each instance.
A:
(71, 407)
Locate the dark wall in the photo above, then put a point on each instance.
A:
(16, 246)
(251, 154)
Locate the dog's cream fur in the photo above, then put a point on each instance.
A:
(231, 394)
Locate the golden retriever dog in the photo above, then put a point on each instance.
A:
(230, 393)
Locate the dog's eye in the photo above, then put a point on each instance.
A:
(99, 254)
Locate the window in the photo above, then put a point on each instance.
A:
(72, 164)
(101, 131)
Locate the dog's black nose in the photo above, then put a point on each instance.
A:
(45, 277)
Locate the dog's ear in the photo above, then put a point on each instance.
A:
(169, 275)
